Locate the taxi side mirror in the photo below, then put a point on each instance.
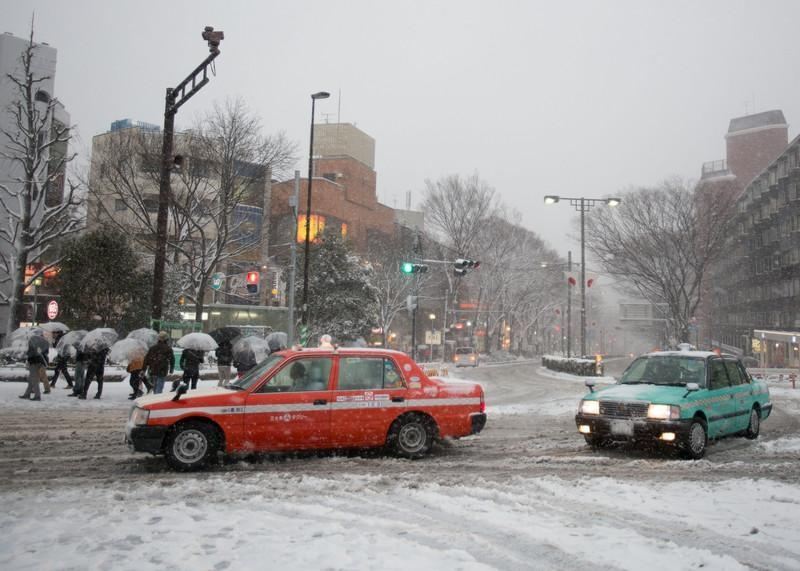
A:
(690, 388)
(590, 383)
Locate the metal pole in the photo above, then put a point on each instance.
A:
(444, 328)
(569, 307)
(308, 215)
(164, 192)
(293, 262)
(583, 281)
(414, 333)
(561, 333)
(35, 300)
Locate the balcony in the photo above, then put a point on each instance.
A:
(713, 169)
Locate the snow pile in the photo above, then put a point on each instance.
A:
(283, 521)
(545, 372)
(780, 445)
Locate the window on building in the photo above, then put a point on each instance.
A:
(317, 225)
(150, 163)
(150, 202)
(331, 176)
(344, 230)
(119, 205)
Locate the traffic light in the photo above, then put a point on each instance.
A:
(410, 268)
(411, 303)
(461, 266)
(252, 282)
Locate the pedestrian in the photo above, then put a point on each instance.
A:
(80, 373)
(96, 362)
(245, 360)
(224, 360)
(62, 359)
(190, 363)
(36, 364)
(135, 366)
(326, 342)
(159, 362)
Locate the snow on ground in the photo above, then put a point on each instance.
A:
(286, 521)
(545, 372)
(787, 444)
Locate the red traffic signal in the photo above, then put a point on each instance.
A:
(252, 281)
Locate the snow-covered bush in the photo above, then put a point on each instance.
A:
(573, 365)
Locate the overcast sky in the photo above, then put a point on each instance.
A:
(571, 98)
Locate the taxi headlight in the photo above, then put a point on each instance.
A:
(590, 407)
(139, 416)
(663, 412)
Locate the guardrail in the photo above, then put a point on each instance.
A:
(776, 375)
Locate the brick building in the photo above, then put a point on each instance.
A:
(344, 197)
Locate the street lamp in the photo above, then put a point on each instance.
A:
(583, 205)
(36, 283)
(176, 97)
(314, 97)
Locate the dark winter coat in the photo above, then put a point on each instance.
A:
(35, 357)
(191, 359)
(224, 354)
(245, 361)
(160, 359)
(97, 359)
(80, 356)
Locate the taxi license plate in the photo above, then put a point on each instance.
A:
(622, 427)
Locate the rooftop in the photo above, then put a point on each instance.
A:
(764, 119)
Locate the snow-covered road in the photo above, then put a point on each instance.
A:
(525, 494)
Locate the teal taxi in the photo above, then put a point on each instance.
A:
(679, 398)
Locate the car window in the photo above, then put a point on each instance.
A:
(665, 370)
(257, 373)
(359, 373)
(719, 377)
(734, 374)
(465, 351)
(300, 375)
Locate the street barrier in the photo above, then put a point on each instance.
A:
(574, 365)
(774, 375)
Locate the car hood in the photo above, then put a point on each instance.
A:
(194, 396)
(650, 393)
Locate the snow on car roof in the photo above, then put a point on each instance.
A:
(340, 350)
(703, 354)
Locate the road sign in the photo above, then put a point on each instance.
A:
(433, 337)
(217, 280)
(52, 309)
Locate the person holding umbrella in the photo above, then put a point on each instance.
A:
(80, 373)
(61, 363)
(224, 360)
(190, 363)
(36, 365)
(160, 361)
(95, 370)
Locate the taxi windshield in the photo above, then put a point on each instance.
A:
(676, 370)
(256, 373)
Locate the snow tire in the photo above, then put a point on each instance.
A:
(696, 440)
(411, 436)
(754, 426)
(192, 445)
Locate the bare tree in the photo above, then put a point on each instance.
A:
(663, 241)
(33, 148)
(227, 162)
(458, 208)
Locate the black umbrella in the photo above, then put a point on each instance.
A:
(224, 334)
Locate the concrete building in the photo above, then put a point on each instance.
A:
(757, 290)
(43, 66)
(752, 142)
(124, 177)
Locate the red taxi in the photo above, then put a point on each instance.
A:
(310, 399)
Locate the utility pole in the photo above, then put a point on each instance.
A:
(175, 97)
(569, 306)
(583, 278)
(293, 263)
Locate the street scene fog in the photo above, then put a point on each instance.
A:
(437, 285)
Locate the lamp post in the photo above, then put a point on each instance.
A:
(36, 283)
(314, 97)
(176, 97)
(583, 205)
(432, 317)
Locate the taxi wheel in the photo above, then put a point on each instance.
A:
(191, 446)
(411, 436)
(696, 440)
(754, 426)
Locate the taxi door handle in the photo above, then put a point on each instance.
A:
(398, 399)
(319, 402)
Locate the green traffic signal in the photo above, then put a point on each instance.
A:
(407, 267)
